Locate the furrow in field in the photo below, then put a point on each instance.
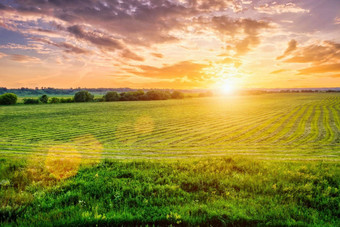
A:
(198, 135)
(287, 128)
(269, 126)
(304, 128)
(251, 128)
(210, 136)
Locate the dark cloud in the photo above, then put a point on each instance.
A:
(66, 47)
(118, 25)
(98, 39)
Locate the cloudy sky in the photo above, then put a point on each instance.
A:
(170, 43)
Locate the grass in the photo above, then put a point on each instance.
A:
(208, 191)
(251, 160)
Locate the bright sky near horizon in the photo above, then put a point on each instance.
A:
(170, 43)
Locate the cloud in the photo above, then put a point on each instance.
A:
(24, 58)
(323, 57)
(99, 39)
(130, 55)
(337, 20)
(292, 45)
(275, 8)
(66, 47)
(180, 70)
(157, 55)
(317, 53)
(321, 69)
(2, 55)
(232, 27)
(278, 71)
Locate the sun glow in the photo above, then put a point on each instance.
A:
(228, 88)
(228, 79)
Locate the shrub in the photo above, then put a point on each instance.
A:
(54, 100)
(66, 100)
(31, 101)
(83, 96)
(177, 95)
(43, 99)
(111, 96)
(8, 99)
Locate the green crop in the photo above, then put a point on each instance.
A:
(246, 160)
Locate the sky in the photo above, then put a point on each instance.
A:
(180, 44)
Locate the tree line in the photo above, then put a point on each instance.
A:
(111, 96)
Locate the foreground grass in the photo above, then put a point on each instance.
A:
(218, 191)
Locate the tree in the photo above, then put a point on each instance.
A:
(54, 100)
(111, 96)
(83, 96)
(8, 99)
(31, 101)
(177, 95)
(43, 99)
(157, 95)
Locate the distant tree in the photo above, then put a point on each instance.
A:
(157, 95)
(111, 96)
(99, 99)
(83, 96)
(31, 101)
(54, 100)
(132, 95)
(206, 94)
(43, 99)
(8, 99)
(177, 95)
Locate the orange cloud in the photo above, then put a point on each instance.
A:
(184, 69)
(321, 69)
(24, 58)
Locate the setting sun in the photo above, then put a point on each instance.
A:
(228, 88)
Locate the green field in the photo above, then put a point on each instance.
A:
(243, 160)
(280, 126)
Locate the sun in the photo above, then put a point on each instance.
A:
(228, 87)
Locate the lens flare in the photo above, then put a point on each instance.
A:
(89, 147)
(63, 161)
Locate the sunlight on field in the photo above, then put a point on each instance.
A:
(63, 161)
(144, 125)
(89, 147)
